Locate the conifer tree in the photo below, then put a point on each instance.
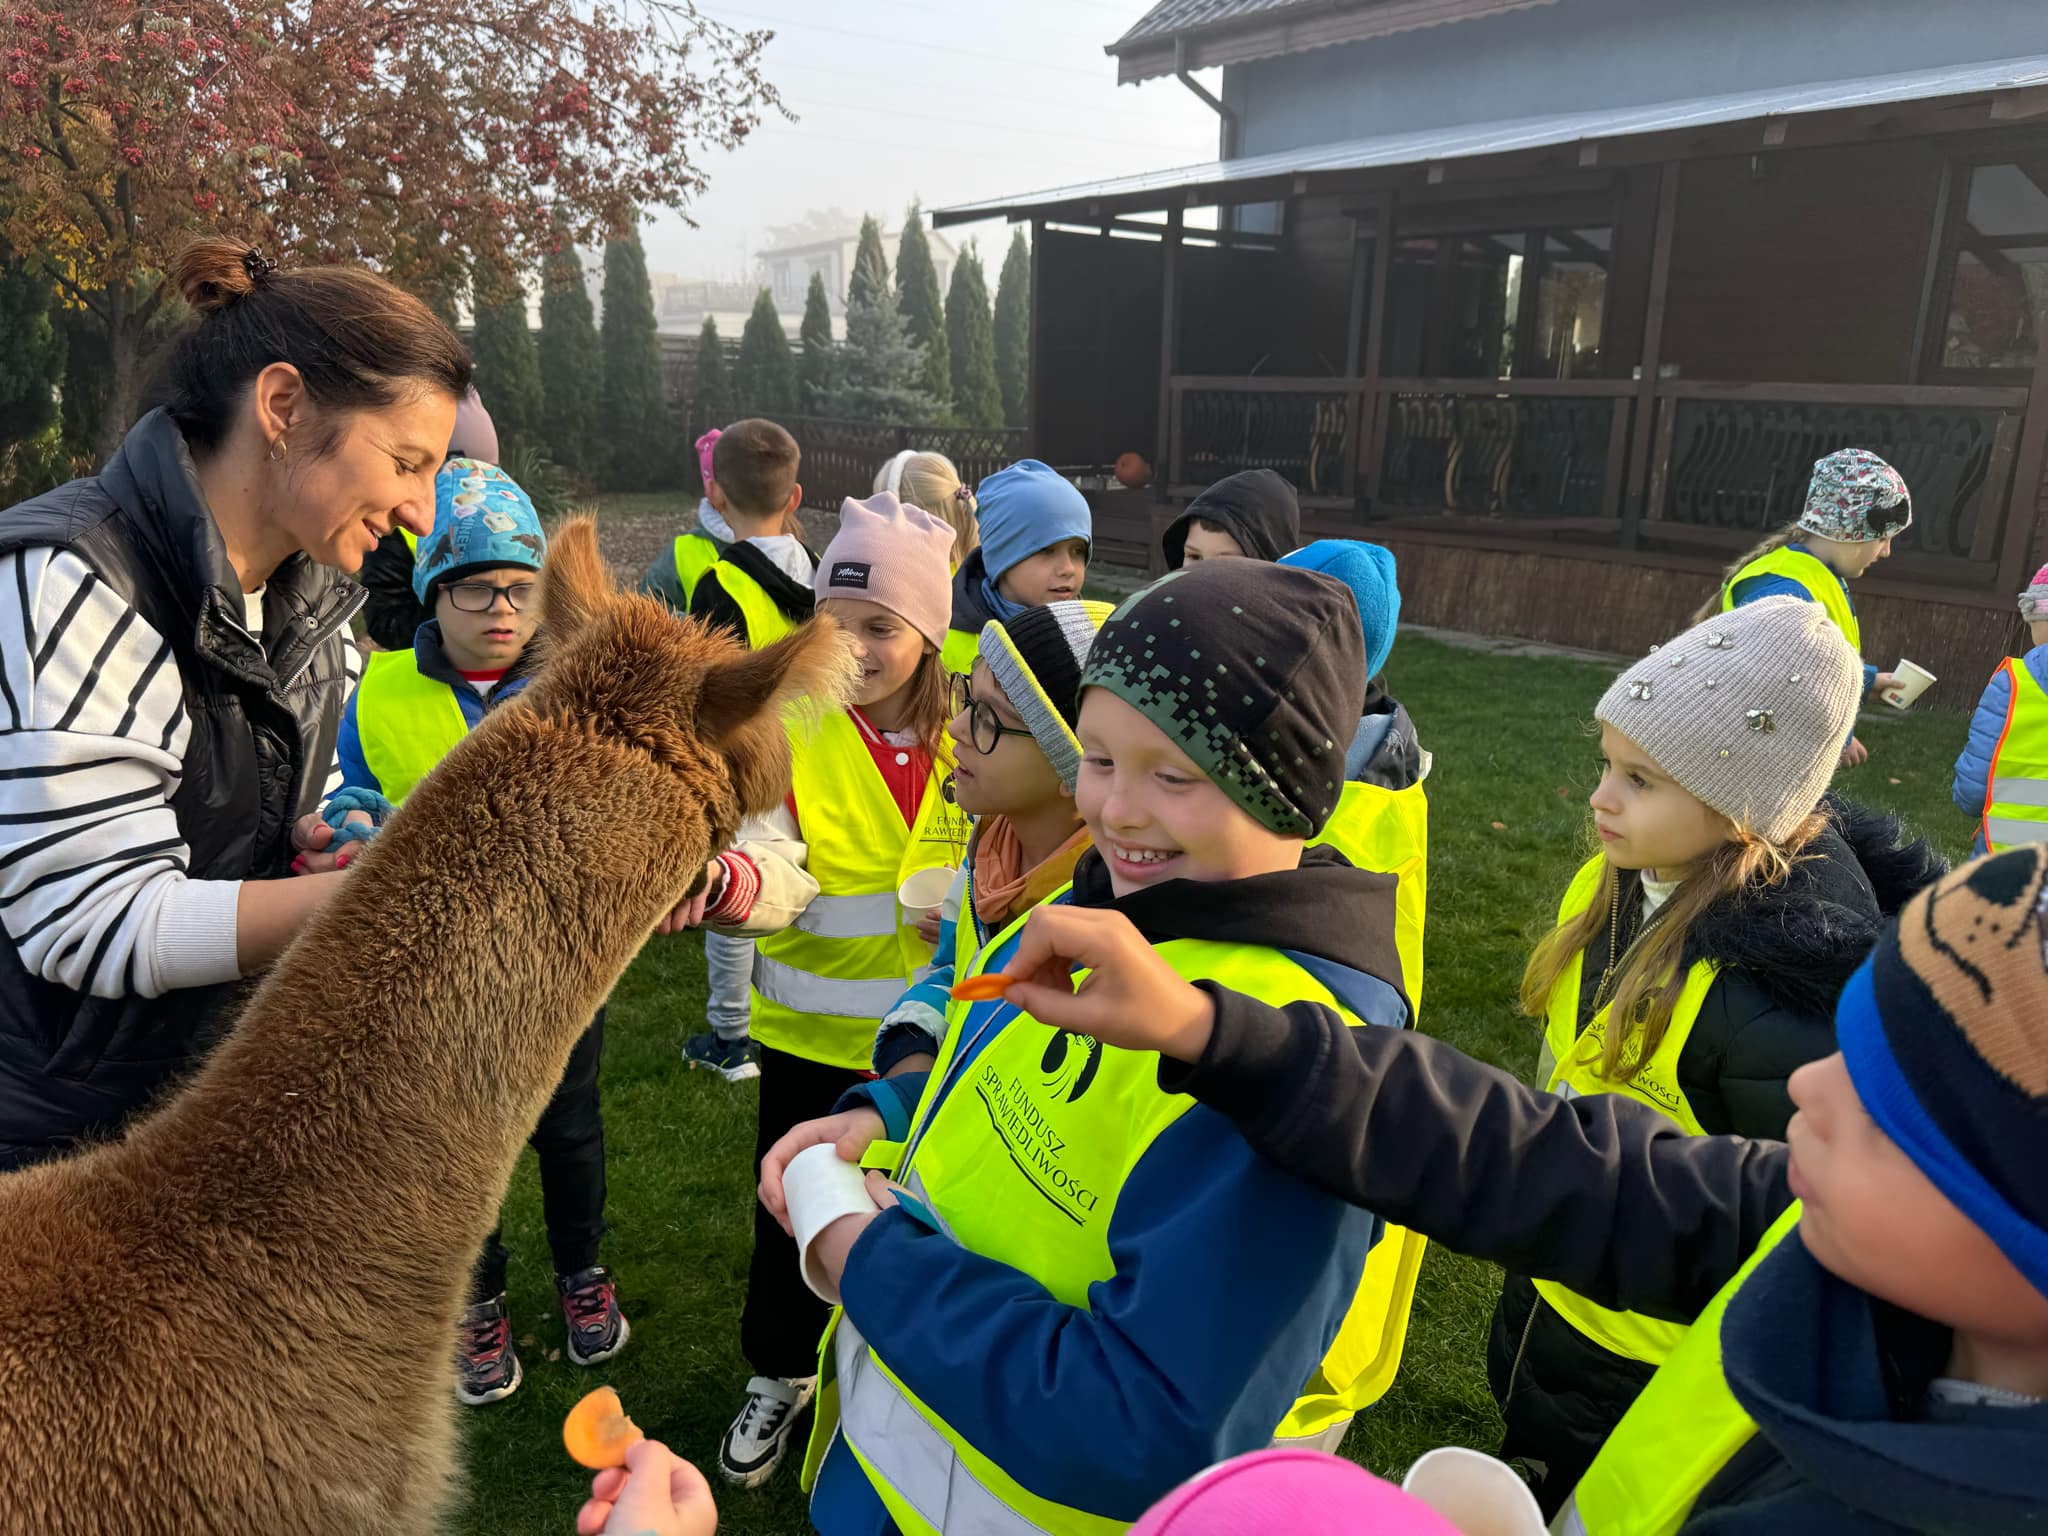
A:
(971, 337)
(819, 365)
(765, 380)
(637, 438)
(1013, 331)
(571, 363)
(917, 300)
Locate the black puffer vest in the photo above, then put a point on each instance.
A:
(263, 723)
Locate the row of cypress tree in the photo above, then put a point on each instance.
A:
(906, 358)
(591, 397)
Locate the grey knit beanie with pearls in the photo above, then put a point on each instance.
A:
(1747, 712)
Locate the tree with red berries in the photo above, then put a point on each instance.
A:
(411, 137)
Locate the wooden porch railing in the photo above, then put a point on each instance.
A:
(1549, 458)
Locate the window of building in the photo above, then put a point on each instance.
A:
(1498, 305)
(1997, 272)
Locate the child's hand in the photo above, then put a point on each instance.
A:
(1855, 755)
(928, 926)
(690, 914)
(1883, 683)
(1132, 999)
(853, 1132)
(657, 1491)
(831, 1247)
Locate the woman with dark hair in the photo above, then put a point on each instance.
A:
(174, 658)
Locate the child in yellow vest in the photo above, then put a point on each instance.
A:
(674, 573)
(758, 589)
(2001, 776)
(1036, 531)
(478, 574)
(1856, 504)
(816, 885)
(1727, 908)
(1090, 1289)
(1869, 1298)
(1015, 761)
(929, 480)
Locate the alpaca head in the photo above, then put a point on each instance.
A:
(693, 700)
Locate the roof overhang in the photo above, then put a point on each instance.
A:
(2001, 90)
(1145, 53)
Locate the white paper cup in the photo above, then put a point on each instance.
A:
(925, 890)
(1477, 1493)
(1913, 680)
(821, 1187)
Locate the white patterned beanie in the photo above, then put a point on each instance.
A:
(1856, 498)
(1747, 712)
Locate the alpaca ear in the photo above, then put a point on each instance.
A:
(814, 662)
(575, 583)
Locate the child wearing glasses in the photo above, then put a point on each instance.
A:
(1016, 757)
(478, 574)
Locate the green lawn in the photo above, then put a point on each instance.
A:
(1509, 749)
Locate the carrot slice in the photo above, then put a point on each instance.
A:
(597, 1431)
(985, 988)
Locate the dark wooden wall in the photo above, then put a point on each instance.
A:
(1096, 364)
(1807, 269)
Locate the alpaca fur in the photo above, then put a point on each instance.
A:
(242, 1316)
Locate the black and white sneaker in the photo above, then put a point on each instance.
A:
(753, 1447)
(737, 1061)
(596, 1327)
(486, 1364)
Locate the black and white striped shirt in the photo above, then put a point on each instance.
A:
(93, 730)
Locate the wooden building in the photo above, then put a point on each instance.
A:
(1561, 299)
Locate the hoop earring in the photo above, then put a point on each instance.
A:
(279, 449)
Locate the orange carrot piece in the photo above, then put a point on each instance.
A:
(597, 1431)
(985, 988)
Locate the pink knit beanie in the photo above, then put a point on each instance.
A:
(1290, 1493)
(897, 555)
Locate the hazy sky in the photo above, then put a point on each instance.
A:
(944, 100)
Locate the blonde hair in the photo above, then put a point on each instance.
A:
(1647, 978)
(929, 482)
(1778, 540)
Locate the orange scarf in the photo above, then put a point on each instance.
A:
(1003, 887)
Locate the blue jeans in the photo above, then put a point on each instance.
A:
(729, 981)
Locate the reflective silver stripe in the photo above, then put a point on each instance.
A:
(2017, 791)
(832, 996)
(2005, 830)
(850, 917)
(914, 1182)
(908, 1454)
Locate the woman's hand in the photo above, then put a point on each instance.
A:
(690, 914)
(852, 1132)
(656, 1491)
(1132, 998)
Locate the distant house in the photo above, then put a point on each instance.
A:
(786, 269)
(1561, 298)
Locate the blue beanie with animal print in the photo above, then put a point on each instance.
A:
(483, 521)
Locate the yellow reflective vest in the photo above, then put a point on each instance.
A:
(1677, 1436)
(2016, 786)
(822, 985)
(1023, 1164)
(961, 650)
(695, 553)
(1388, 830)
(1813, 574)
(766, 623)
(406, 720)
(1571, 1066)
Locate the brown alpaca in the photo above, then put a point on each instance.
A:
(242, 1316)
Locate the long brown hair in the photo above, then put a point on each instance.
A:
(930, 691)
(1778, 540)
(1649, 976)
(359, 342)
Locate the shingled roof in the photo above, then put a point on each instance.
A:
(1206, 33)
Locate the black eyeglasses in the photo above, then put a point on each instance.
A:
(985, 728)
(481, 596)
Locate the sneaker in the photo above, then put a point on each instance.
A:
(486, 1365)
(733, 1060)
(753, 1447)
(590, 1308)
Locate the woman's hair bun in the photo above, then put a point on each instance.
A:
(212, 274)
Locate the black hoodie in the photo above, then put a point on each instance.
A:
(717, 607)
(1256, 507)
